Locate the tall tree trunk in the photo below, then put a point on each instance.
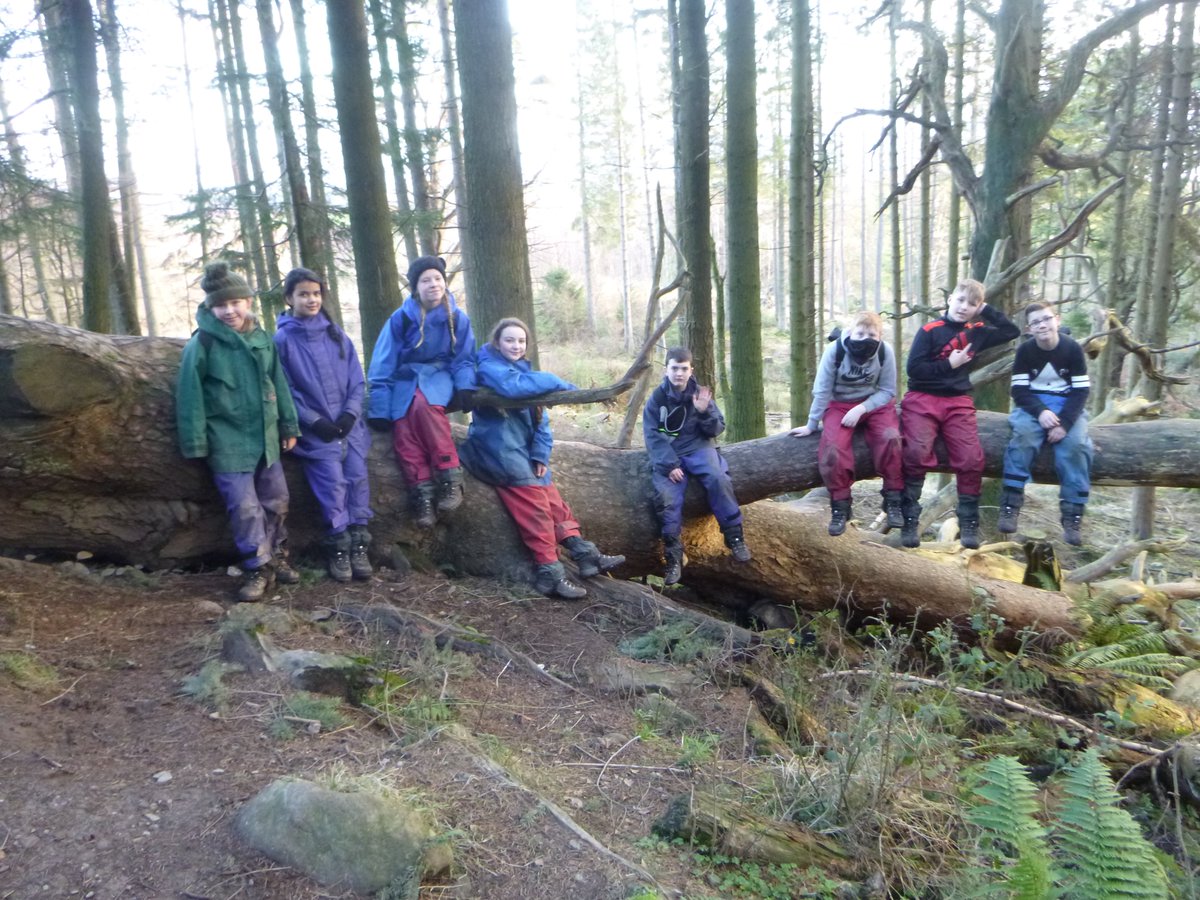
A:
(57, 53)
(456, 142)
(427, 218)
(693, 204)
(494, 228)
(954, 240)
(585, 205)
(894, 177)
(925, 216)
(370, 222)
(98, 308)
(315, 166)
(618, 99)
(201, 199)
(391, 120)
(800, 217)
(746, 408)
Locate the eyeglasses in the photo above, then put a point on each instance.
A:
(1038, 323)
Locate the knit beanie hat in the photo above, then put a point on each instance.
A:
(220, 283)
(422, 263)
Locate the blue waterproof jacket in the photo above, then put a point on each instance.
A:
(503, 444)
(326, 379)
(415, 350)
(672, 427)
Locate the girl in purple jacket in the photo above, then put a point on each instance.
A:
(326, 379)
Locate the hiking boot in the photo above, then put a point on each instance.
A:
(360, 562)
(255, 584)
(284, 573)
(551, 579)
(968, 521)
(420, 504)
(673, 553)
(449, 490)
(337, 556)
(736, 543)
(839, 515)
(1011, 501)
(893, 508)
(1072, 522)
(591, 561)
(910, 509)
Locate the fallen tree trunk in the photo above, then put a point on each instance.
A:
(88, 461)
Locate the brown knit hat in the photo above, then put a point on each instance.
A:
(221, 283)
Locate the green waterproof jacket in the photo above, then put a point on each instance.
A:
(232, 402)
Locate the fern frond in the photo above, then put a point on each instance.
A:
(1148, 639)
(1101, 847)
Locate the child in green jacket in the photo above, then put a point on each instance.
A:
(233, 408)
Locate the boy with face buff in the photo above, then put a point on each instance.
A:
(327, 384)
(939, 402)
(855, 388)
(424, 360)
(233, 408)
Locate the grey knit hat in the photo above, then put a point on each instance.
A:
(221, 283)
(421, 264)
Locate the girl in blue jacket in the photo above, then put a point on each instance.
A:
(327, 384)
(423, 360)
(510, 449)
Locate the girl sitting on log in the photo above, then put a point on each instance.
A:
(510, 449)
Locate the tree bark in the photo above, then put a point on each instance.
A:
(88, 460)
(801, 238)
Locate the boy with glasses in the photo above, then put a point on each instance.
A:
(1049, 390)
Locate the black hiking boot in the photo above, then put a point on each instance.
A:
(839, 515)
(910, 505)
(1011, 501)
(551, 579)
(449, 490)
(336, 548)
(736, 542)
(893, 508)
(968, 521)
(360, 562)
(420, 504)
(673, 554)
(1072, 522)
(591, 561)
(255, 584)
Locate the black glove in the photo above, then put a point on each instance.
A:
(345, 422)
(464, 400)
(379, 424)
(325, 430)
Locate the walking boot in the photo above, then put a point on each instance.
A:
(673, 553)
(255, 584)
(1072, 522)
(839, 515)
(910, 505)
(551, 579)
(360, 562)
(736, 543)
(1011, 501)
(337, 556)
(420, 504)
(449, 490)
(893, 508)
(968, 521)
(284, 573)
(591, 561)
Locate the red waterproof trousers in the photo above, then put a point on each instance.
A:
(835, 452)
(422, 441)
(925, 416)
(542, 516)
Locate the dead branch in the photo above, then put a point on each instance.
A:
(1116, 556)
(1030, 189)
(907, 185)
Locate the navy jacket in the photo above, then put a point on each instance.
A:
(672, 427)
(929, 369)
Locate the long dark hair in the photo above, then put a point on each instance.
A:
(298, 276)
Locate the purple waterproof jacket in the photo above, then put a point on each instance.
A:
(326, 379)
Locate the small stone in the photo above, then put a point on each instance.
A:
(575, 803)
(162, 777)
(574, 844)
(233, 572)
(84, 554)
(151, 817)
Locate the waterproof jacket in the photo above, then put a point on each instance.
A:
(871, 382)
(326, 379)
(232, 402)
(503, 444)
(672, 427)
(414, 351)
(929, 369)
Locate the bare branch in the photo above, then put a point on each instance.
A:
(909, 182)
(1030, 190)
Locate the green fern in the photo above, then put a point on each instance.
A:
(1102, 849)
(1139, 653)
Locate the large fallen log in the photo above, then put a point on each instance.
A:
(88, 461)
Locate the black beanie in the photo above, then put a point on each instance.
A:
(220, 283)
(420, 264)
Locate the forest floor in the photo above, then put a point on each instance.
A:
(115, 784)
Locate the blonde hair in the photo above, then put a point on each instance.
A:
(868, 319)
(968, 289)
(445, 301)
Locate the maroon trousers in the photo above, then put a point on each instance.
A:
(422, 441)
(543, 518)
(835, 452)
(922, 418)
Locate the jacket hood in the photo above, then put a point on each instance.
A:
(287, 321)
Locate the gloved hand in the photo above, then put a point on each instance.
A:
(379, 424)
(464, 400)
(345, 422)
(325, 430)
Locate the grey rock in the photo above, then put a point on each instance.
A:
(1187, 689)
(366, 840)
(620, 675)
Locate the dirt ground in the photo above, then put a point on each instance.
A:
(86, 811)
